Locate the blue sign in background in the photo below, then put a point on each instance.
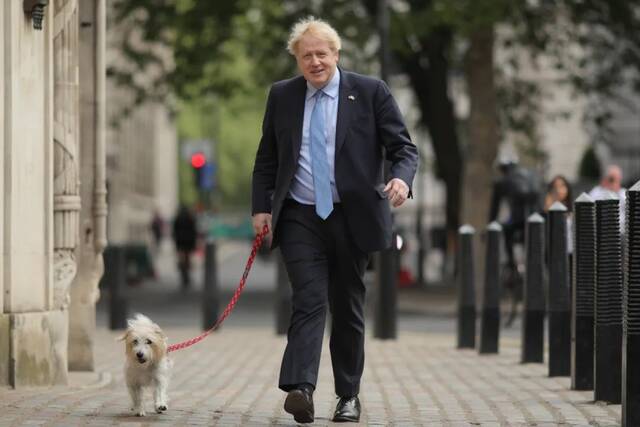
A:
(207, 176)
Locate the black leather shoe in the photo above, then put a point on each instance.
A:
(347, 410)
(299, 403)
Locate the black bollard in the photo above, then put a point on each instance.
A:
(608, 302)
(283, 297)
(386, 313)
(559, 305)
(490, 325)
(420, 253)
(631, 337)
(115, 278)
(466, 289)
(211, 290)
(533, 312)
(583, 290)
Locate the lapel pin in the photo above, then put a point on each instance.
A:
(351, 97)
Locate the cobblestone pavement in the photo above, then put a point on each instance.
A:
(230, 379)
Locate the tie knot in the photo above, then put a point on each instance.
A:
(318, 94)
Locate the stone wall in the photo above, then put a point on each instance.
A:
(40, 222)
(31, 330)
(84, 289)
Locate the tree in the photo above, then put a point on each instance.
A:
(593, 44)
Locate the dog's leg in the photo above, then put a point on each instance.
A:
(160, 394)
(136, 399)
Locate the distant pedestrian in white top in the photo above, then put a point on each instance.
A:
(612, 183)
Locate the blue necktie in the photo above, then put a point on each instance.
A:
(319, 162)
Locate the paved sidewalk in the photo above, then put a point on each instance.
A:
(230, 379)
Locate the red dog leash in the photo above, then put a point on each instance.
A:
(257, 242)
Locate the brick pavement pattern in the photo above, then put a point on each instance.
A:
(230, 380)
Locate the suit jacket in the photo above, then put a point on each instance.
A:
(368, 121)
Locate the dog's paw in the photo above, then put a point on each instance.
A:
(139, 412)
(161, 408)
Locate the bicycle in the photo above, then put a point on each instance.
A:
(512, 276)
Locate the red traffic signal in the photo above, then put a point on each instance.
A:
(198, 160)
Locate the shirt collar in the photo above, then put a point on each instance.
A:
(330, 89)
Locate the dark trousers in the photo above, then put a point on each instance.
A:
(323, 265)
(513, 233)
(184, 266)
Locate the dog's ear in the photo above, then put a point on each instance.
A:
(123, 336)
(157, 330)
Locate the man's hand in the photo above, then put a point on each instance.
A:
(397, 191)
(259, 221)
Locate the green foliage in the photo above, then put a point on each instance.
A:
(594, 43)
(232, 51)
(463, 16)
(225, 55)
(193, 31)
(590, 165)
(233, 124)
(203, 37)
(593, 46)
(239, 137)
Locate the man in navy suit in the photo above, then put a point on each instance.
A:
(318, 183)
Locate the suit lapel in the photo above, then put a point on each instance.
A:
(346, 103)
(297, 117)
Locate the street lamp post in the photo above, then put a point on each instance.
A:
(385, 326)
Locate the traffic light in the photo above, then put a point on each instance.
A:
(203, 171)
(198, 160)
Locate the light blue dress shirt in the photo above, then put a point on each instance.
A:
(302, 186)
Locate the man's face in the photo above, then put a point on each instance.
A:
(613, 179)
(316, 60)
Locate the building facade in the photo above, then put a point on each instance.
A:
(142, 168)
(53, 210)
(623, 146)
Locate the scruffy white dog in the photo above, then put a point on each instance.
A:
(147, 364)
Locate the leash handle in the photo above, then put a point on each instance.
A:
(257, 242)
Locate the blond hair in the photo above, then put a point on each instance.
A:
(315, 27)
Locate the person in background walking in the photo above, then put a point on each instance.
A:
(559, 190)
(185, 236)
(318, 181)
(521, 189)
(157, 230)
